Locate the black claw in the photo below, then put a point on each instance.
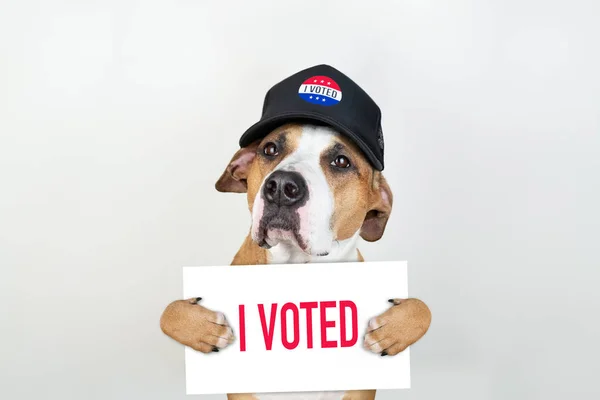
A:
(384, 353)
(198, 299)
(215, 349)
(391, 300)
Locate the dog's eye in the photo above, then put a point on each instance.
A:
(271, 149)
(341, 162)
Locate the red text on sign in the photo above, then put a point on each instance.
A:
(289, 322)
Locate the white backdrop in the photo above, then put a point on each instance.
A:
(117, 117)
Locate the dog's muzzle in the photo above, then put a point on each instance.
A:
(283, 195)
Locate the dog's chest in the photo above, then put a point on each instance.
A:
(302, 396)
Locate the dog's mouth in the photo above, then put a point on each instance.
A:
(275, 229)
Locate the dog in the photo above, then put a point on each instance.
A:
(311, 194)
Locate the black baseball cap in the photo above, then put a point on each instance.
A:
(324, 95)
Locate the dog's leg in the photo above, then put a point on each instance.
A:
(359, 395)
(195, 326)
(405, 322)
(241, 396)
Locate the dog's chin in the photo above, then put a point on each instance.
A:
(273, 237)
(270, 230)
(275, 230)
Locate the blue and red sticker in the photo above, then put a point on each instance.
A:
(320, 90)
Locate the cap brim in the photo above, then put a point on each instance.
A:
(263, 127)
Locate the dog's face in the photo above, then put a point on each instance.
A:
(308, 186)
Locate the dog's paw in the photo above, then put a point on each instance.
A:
(195, 326)
(405, 322)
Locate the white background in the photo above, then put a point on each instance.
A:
(117, 118)
(257, 370)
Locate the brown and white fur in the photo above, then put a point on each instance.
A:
(311, 194)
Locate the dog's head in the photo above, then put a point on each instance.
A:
(309, 187)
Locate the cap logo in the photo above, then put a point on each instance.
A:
(320, 90)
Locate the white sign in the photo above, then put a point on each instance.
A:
(297, 327)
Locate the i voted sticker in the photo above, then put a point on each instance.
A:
(320, 90)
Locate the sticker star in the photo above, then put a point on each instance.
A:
(323, 99)
(310, 97)
(317, 98)
(322, 81)
(315, 81)
(329, 83)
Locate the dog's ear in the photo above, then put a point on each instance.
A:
(234, 177)
(381, 207)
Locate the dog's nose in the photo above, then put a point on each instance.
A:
(285, 188)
